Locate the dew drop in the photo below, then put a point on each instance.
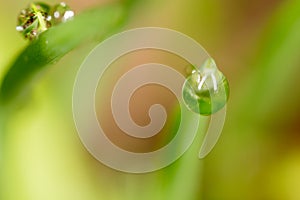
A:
(206, 90)
(38, 17)
(34, 20)
(61, 13)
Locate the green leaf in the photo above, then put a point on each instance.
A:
(54, 43)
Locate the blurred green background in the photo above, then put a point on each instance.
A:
(256, 44)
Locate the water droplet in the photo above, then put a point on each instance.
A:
(38, 17)
(206, 90)
(62, 13)
(34, 20)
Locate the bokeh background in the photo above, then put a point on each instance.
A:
(255, 43)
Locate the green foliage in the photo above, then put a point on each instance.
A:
(54, 43)
(278, 57)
